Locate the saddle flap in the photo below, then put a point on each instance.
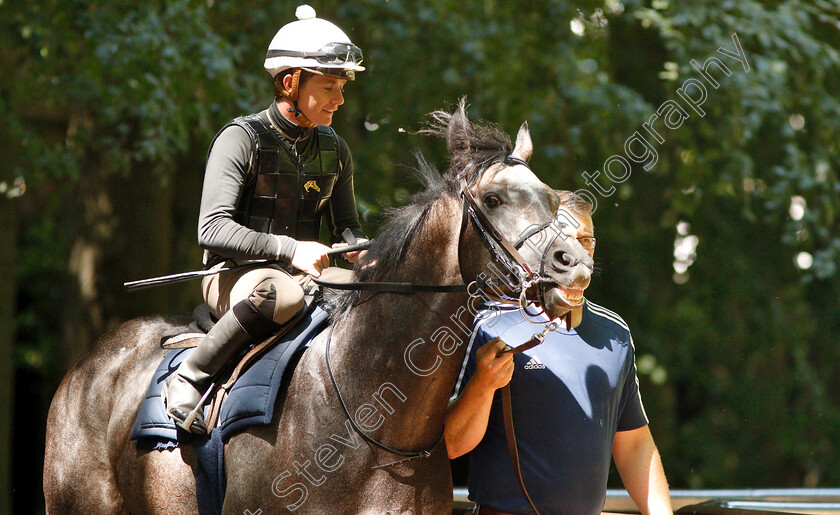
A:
(250, 401)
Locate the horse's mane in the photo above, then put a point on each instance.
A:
(473, 147)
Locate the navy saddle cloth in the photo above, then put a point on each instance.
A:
(250, 400)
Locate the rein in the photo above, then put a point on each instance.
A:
(392, 287)
(408, 455)
(520, 275)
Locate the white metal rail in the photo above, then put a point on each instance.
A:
(818, 501)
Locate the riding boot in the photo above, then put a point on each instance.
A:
(247, 323)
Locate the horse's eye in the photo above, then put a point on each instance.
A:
(492, 200)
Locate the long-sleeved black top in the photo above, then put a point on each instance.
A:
(225, 179)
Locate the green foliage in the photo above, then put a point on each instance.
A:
(126, 83)
(779, 120)
(739, 350)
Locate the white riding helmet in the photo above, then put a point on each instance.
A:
(315, 45)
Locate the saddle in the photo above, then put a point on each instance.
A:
(203, 320)
(244, 393)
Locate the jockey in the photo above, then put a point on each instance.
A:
(269, 179)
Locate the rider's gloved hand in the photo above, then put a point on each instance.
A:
(311, 257)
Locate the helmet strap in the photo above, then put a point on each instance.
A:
(301, 118)
(293, 96)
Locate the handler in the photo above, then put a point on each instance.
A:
(270, 178)
(575, 403)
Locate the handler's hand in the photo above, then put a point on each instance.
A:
(311, 257)
(493, 370)
(352, 257)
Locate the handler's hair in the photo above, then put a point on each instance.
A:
(575, 203)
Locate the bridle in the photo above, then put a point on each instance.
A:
(519, 277)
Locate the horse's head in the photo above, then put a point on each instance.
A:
(511, 220)
(531, 226)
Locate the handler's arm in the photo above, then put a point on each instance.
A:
(466, 420)
(640, 467)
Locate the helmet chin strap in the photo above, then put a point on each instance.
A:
(293, 96)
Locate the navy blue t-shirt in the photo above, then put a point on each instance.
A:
(569, 397)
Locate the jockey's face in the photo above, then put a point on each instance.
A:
(320, 97)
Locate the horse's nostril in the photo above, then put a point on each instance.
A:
(564, 258)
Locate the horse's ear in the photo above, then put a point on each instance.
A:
(524, 148)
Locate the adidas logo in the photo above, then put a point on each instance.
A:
(534, 364)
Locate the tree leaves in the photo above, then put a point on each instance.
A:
(101, 97)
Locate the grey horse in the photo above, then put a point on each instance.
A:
(393, 358)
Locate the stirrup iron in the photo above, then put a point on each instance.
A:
(187, 423)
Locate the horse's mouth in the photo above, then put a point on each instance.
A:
(571, 296)
(562, 298)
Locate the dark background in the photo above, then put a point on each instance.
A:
(722, 257)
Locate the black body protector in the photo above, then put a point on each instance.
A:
(286, 193)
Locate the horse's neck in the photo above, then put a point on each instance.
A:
(411, 346)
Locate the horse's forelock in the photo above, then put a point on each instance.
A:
(473, 146)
